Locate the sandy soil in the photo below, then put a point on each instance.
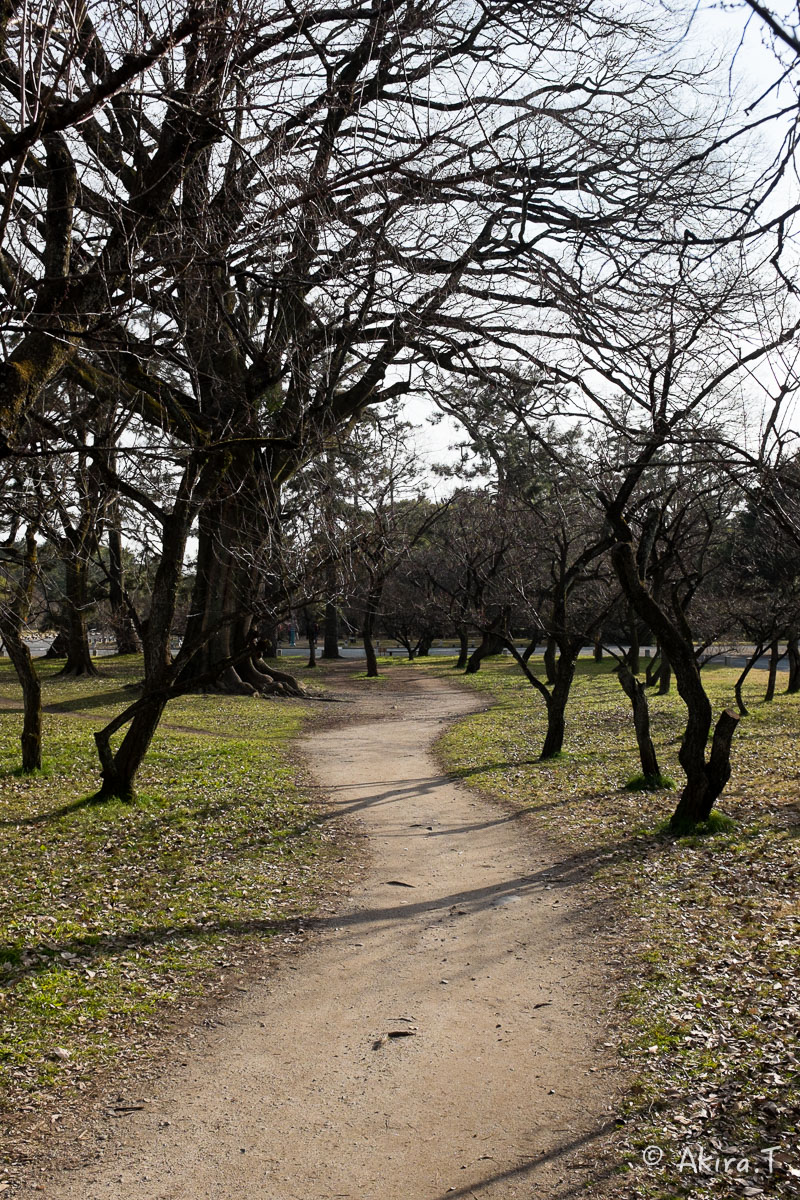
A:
(440, 1037)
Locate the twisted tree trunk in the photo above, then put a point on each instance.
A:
(705, 779)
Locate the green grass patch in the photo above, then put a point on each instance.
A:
(115, 913)
(708, 923)
(649, 783)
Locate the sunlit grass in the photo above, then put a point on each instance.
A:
(113, 912)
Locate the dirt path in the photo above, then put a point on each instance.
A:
(304, 1093)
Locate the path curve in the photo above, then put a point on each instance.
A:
(304, 1094)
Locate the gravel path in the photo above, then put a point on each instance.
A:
(442, 1037)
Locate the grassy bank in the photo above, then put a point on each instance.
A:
(116, 915)
(711, 1003)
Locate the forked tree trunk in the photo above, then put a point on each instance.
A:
(705, 779)
(698, 800)
(555, 698)
(120, 768)
(635, 692)
(557, 704)
(653, 668)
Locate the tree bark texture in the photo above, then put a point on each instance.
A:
(550, 651)
(793, 654)
(490, 644)
(124, 632)
(463, 650)
(772, 678)
(76, 604)
(330, 634)
(748, 666)
(368, 630)
(637, 695)
(14, 612)
(704, 779)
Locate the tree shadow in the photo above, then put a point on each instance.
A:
(55, 814)
(120, 696)
(572, 869)
(524, 1171)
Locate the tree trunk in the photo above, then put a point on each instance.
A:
(463, 652)
(550, 671)
(76, 602)
(653, 668)
(120, 769)
(696, 802)
(793, 653)
(637, 695)
(774, 658)
(598, 652)
(21, 659)
(737, 691)
(632, 657)
(124, 632)
(58, 646)
(330, 634)
(704, 780)
(424, 645)
(664, 676)
(14, 613)
(369, 648)
(557, 704)
(489, 644)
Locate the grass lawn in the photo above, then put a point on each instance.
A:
(114, 915)
(709, 925)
